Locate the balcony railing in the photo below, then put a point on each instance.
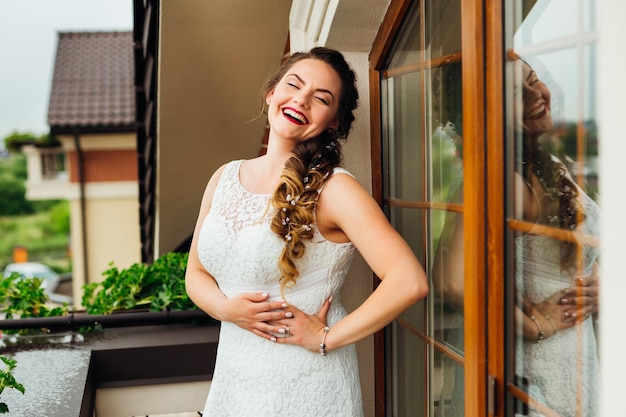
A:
(47, 173)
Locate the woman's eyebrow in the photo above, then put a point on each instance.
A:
(529, 75)
(322, 90)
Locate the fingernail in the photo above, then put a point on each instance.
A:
(566, 314)
(284, 305)
(264, 294)
(563, 300)
(273, 339)
(289, 314)
(281, 330)
(330, 300)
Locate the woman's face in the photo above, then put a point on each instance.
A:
(305, 100)
(536, 116)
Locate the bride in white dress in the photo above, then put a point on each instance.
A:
(557, 355)
(274, 239)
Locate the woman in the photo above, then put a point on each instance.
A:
(274, 240)
(553, 297)
(558, 355)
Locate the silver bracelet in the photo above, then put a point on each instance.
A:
(540, 332)
(323, 344)
(552, 324)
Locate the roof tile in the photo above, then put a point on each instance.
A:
(93, 82)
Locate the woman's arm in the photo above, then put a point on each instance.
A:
(347, 212)
(249, 311)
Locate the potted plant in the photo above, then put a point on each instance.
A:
(22, 297)
(155, 287)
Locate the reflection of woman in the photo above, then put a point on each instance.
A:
(273, 243)
(558, 356)
(553, 296)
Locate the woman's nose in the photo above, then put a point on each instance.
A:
(302, 99)
(532, 94)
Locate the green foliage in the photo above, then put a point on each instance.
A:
(24, 298)
(14, 167)
(16, 140)
(7, 380)
(41, 234)
(59, 216)
(13, 198)
(13, 174)
(157, 286)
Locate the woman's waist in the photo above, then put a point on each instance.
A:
(308, 283)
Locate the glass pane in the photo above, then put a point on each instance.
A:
(406, 373)
(551, 120)
(409, 223)
(407, 47)
(544, 21)
(446, 185)
(447, 384)
(443, 27)
(444, 138)
(402, 138)
(446, 297)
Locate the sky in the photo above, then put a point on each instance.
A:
(28, 42)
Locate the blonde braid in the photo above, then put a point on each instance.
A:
(295, 201)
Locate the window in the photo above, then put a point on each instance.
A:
(499, 207)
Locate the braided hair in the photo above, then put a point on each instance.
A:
(311, 165)
(560, 203)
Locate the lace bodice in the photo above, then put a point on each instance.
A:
(563, 370)
(253, 376)
(538, 257)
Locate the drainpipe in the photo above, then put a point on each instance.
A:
(80, 157)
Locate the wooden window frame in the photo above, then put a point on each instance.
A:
(483, 205)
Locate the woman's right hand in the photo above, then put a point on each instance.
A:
(252, 312)
(570, 306)
(582, 299)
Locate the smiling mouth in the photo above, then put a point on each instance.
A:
(537, 113)
(295, 116)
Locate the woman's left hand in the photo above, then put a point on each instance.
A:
(303, 329)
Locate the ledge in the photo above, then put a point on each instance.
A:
(61, 379)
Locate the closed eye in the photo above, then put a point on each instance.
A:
(323, 100)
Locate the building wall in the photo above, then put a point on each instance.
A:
(107, 230)
(105, 165)
(209, 111)
(112, 235)
(357, 160)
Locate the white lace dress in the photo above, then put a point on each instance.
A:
(254, 376)
(562, 370)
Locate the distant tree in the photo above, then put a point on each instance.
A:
(13, 198)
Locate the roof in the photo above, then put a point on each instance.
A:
(93, 83)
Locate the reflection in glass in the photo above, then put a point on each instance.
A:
(447, 386)
(407, 375)
(555, 255)
(404, 157)
(447, 297)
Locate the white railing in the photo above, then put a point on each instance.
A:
(45, 164)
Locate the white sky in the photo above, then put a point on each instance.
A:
(28, 41)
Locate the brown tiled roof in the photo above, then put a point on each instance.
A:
(93, 81)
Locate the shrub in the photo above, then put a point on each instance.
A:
(157, 286)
